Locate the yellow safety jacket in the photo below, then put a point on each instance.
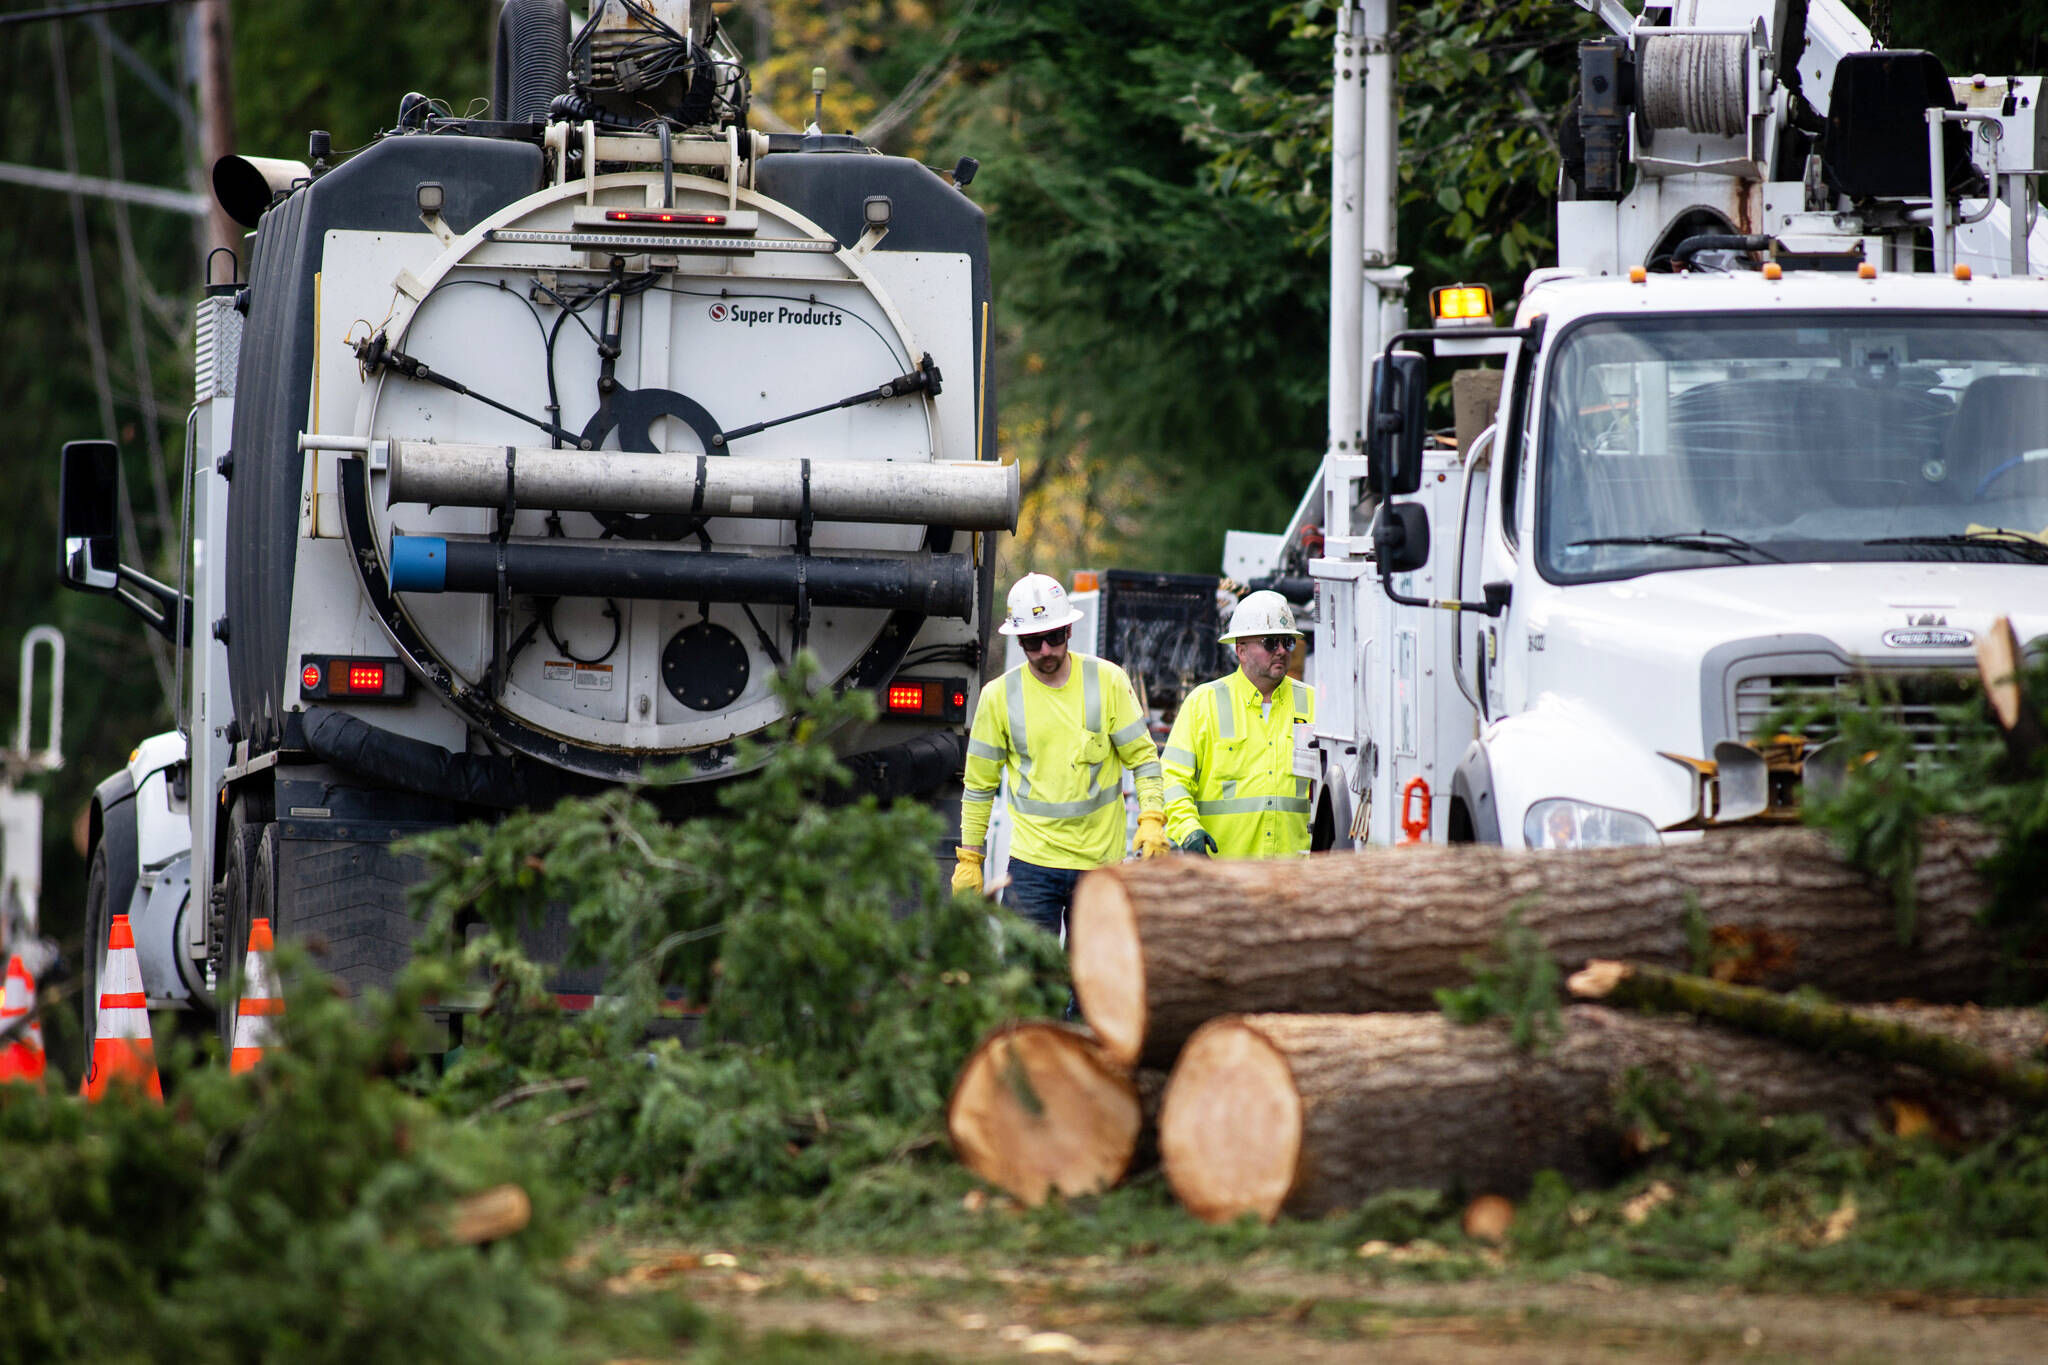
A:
(1230, 768)
(1064, 750)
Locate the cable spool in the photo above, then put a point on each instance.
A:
(1695, 81)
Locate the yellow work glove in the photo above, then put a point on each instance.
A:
(967, 876)
(1150, 841)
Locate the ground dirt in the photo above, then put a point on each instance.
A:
(1164, 1314)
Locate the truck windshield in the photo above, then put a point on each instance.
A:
(1683, 444)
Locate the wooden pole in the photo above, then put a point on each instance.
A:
(217, 114)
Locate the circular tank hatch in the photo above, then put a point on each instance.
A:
(705, 666)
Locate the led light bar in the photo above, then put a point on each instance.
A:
(639, 243)
(664, 218)
(324, 676)
(600, 218)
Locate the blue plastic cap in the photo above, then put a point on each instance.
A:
(419, 564)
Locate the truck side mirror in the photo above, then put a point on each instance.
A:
(88, 524)
(1393, 444)
(1400, 537)
(88, 515)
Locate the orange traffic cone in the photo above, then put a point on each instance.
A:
(22, 1057)
(260, 1005)
(122, 1053)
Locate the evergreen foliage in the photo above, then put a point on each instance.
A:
(841, 985)
(1519, 983)
(1876, 814)
(296, 1212)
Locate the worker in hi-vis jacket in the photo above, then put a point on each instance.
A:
(1237, 759)
(1063, 726)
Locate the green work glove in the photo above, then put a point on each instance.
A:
(967, 876)
(1199, 842)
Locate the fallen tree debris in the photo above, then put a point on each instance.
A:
(1303, 1114)
(1161, 946)
(1825, 1026)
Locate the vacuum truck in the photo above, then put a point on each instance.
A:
(528, 453)
(1771, 433)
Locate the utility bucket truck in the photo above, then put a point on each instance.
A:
(1775, 425)
(529, 452)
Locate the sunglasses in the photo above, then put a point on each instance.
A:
(1050, 639)
(1280, 644)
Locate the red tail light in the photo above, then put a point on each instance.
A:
(940, 699)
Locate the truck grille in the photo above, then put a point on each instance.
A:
(1915, 701)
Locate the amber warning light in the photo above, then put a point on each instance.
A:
(325, 676)
(1461, 303)
(926, 698)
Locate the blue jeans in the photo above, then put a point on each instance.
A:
(1042, 894)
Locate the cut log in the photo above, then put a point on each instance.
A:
(1999, 666)
(1885, 1036)
(488, 1215)
(1160, 946)
(1040, 1107)
(1303, 1113)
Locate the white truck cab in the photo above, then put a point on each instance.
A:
(1774, 429)
(1715, 495)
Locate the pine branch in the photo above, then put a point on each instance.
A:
(1818, 1025)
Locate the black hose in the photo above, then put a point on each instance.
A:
(532, 62)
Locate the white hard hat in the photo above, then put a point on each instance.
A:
(1037, 604)
(1261, 613)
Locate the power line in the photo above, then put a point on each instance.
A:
(70, 182)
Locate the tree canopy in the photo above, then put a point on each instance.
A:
(1156, 178)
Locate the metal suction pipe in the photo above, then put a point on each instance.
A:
(978, 495)
(931, 585)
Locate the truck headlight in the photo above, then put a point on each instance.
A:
(1563, 823)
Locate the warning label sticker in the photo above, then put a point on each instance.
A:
(586, 677)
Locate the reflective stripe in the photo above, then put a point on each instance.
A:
(984, 797)
(1301, 787)
(1226, 707)
(1130, 732)
(1091, 695)
(977, 749)
(1254, 805)
(1173, 753)
(1300, 701)
(1176, 792)
(1226, 789)
(1013, 695)
(1060, 810)
(1151, 769)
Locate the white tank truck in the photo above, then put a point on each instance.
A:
(1777, 420)
(528, 453)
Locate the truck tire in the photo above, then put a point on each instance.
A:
(98, 916)
(250, 890)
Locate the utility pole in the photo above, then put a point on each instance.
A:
(216, 114)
